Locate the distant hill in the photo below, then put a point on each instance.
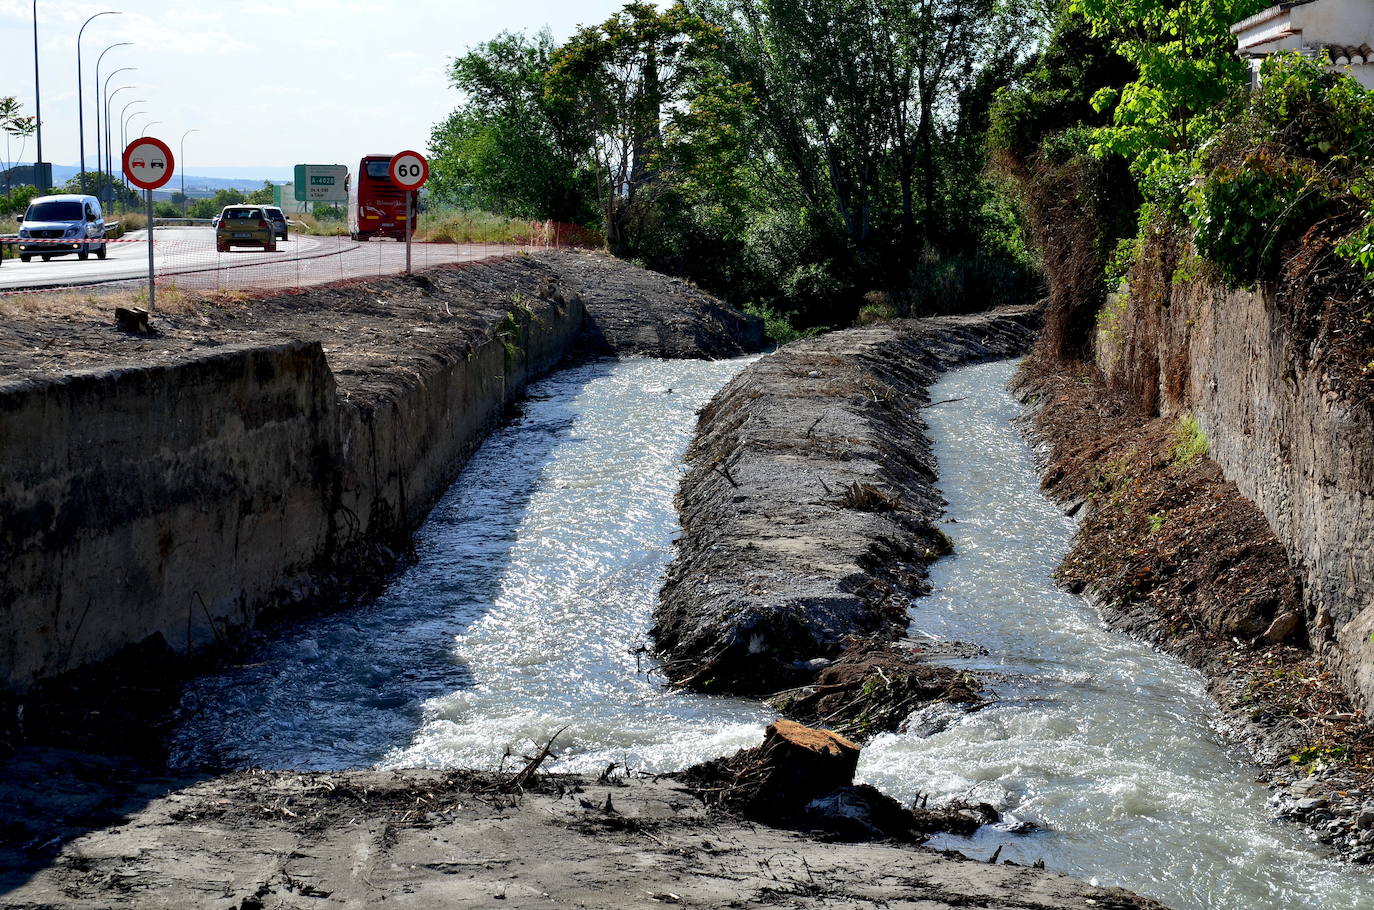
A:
(203, 184)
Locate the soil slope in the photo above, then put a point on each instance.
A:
(371, 328)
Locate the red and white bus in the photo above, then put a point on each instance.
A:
(376, 206)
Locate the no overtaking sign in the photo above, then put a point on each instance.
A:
(148, 163)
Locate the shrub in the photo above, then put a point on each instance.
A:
(1302, 151)
(1244, 214)
(777, 326)
(1190, 443)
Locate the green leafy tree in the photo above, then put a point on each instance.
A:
(209, 208)
(511, 147)
(1185, 55)
(264, 196)
(15, 125)
(624, 74)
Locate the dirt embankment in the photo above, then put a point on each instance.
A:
(255, 840)
(1173, 553)
(808, 510)
(374, 330)
(636, 311)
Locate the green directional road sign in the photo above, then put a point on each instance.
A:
(321, 183)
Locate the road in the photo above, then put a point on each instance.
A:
(186, 256)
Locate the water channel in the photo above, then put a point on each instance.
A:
(535, 581)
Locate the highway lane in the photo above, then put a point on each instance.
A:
(186, 257)
(175, 250)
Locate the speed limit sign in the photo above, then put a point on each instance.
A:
(409, 170)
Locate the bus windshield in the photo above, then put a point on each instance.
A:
(379, 170)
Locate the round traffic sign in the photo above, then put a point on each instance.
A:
(409, 170)
(148, 163)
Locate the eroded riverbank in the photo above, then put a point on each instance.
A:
(1111, 747)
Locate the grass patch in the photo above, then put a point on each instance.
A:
(877, 308)
(1190, 443)
(1110, 317)
(470, 227)
(307, 223)
(99, 305)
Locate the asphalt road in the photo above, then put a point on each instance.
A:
(186, 256)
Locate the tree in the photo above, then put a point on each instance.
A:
(209, 208)
(264, 196)
(867, 132)
(15, 126)
(623, 74)
(1184, 52)
(511, 147)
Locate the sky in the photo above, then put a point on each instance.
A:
(266, 84)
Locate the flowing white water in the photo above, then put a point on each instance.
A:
(1106, 743)
(536, 577)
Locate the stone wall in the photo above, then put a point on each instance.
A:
(1294, 445)
(177, 503)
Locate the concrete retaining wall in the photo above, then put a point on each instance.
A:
(180, 502)
(1297, 447)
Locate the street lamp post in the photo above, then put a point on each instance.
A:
(80, 105)
(181, 166)
(101, 95)
(109, 142)
(99, 180)
(147, 126)
(38, 107)
(104, 165)
(124, 127)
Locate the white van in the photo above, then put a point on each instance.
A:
(69, 219)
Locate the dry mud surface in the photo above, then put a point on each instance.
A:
(429, 839)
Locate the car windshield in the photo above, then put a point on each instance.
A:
(58, 210)
(379, 170)
(242, 213)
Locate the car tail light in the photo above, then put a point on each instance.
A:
(261, 223)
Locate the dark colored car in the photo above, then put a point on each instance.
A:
(278, 219)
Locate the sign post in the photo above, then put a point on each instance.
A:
(148, 164)
(409, 171)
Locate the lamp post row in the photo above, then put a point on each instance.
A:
(80, 103)
(102, 101)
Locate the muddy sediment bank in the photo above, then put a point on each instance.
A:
(808, 510)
